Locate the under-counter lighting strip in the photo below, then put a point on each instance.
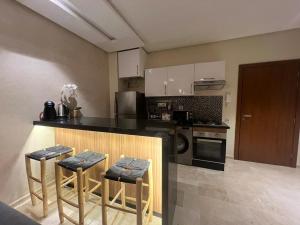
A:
(71, 9)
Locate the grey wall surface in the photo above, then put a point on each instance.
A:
(36, 58)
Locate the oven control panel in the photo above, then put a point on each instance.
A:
(209, 133)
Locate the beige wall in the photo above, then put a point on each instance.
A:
(113, 80)
(276, 46)
(36, 58)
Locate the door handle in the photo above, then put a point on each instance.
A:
(247, 116)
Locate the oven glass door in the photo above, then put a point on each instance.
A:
(209, 149)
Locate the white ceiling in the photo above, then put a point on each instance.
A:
(164, 24)
(115, 25)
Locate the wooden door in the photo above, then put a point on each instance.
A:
(268, 113)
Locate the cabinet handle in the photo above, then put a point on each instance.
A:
(165, 89)
(137, 69)
(192, 86)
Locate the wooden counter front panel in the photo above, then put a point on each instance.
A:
(115, 145)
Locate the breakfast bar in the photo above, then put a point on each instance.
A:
(130, 137)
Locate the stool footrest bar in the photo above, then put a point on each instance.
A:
(127, 210)
(35, 179)
(36, 195)
(116, 196)
(70, 219)
(94, 188)
(69, 202)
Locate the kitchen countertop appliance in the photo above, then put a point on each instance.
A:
(130, 105)
(62, 111)
(49, 112)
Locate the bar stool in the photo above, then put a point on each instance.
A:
(80, 164)
(129, 171)
(42, 156)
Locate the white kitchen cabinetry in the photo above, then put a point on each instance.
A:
(210, 71)
(156, 82)
(180, 80)
(131, 63)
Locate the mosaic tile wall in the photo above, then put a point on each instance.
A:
(205, 108)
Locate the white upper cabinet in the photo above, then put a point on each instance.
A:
(131, 63)
(210, 71)
(156, 82)
(180, 80)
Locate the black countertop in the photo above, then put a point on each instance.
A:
(124, 126)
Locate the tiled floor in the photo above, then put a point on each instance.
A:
(94, 218)
(246, 193)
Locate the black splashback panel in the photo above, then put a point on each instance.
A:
(206, 108)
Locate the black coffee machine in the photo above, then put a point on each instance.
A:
(49, 112)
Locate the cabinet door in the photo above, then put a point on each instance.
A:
(130, 63)
(180, 80)
(210, 71)
(156, 82)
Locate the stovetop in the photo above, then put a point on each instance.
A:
(208, 123)
(201, 123)
(196, 123)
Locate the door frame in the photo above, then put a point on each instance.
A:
(293, 161)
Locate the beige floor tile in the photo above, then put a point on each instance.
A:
(245, 193)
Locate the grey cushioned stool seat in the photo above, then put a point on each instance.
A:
(50, 153)
(82, 160)
(127, 170)
(11, 216)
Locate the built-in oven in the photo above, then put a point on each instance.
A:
(209, 148)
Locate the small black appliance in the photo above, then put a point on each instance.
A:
(183, 117)
(49, 112)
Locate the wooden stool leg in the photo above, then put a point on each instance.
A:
(30, 182)
(139, 198)
(44, 187)
(106, 182)
(123, 195)
(58, 191)
(80, 195)
(150, 174)
(74, 173)
(104, 198)
(87, 185)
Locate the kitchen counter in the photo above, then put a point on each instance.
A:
(137, 138)
(123, 126)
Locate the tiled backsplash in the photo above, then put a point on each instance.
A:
(206, 108)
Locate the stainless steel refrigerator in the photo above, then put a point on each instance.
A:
(130, 105)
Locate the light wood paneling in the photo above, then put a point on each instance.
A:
(116, 145)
